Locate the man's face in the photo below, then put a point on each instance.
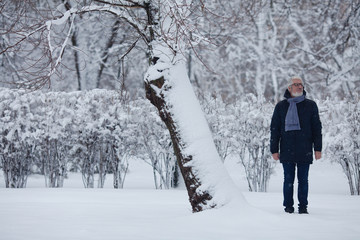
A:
(296, 89)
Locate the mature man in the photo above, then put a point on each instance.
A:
(296, 125)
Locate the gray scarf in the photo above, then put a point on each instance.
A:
(292, 117)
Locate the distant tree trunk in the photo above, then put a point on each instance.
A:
(105, 54)
(76, 59)
(75, 44)
(103, 163)
(89, 166)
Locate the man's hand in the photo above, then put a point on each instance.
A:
(317, 155)
(276, 156)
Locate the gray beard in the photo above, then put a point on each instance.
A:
(297, 94)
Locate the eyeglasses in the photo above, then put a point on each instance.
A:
(297, 85)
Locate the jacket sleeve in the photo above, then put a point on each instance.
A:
(275, 130)
(316, 129)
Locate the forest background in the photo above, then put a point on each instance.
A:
(250, 47)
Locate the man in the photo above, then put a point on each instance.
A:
(296, 126)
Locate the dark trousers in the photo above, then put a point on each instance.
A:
(303, 185)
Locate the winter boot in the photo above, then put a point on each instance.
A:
(303, 210)
(289, 209)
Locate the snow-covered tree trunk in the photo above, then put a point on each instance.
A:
(168, 88)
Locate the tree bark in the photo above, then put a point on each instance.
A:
(197, 198)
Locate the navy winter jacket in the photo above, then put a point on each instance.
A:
(296, 146)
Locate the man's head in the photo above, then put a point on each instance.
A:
(296, 87)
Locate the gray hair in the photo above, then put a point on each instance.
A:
(293, 78)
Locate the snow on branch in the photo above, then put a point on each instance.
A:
(61, 53)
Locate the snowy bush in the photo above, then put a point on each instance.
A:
(15, 142)
(342, 137)
(55, 122)
(242, 129)
(55, 132)
(156, 147)
(94, 132)
(252, 140)
(220, 119)
(122, 137)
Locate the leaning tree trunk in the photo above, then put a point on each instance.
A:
(197, 199)
(168, 89)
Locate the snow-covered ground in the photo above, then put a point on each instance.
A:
(140, 212)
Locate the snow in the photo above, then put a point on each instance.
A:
(140, 212)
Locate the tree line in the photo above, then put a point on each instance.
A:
(250, 46)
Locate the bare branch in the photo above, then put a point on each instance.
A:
(133, 5)
(23, 39)
(129, 49)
